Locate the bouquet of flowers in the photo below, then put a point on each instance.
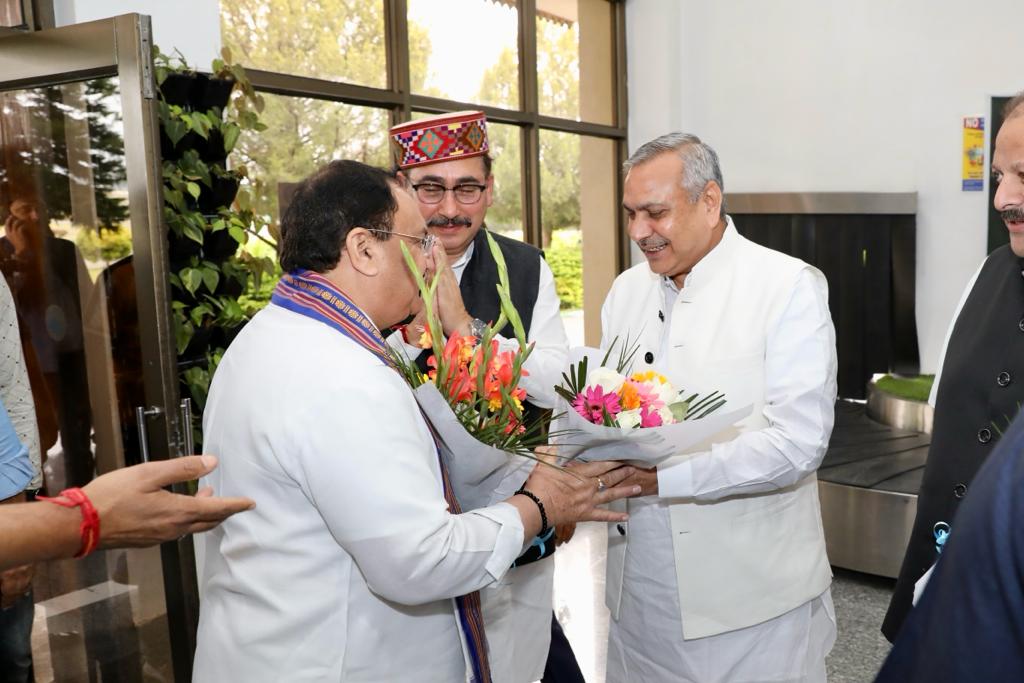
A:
(472, 399)
(617, 415)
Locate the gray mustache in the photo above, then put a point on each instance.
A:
(652, 242)
(442, 222)
(1012, 215)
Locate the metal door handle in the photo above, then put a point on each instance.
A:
(186, 421)
(140, 421)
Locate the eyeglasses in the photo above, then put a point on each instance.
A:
(433, 193)
(426, 241)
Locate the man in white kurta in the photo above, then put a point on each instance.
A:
(721, 575)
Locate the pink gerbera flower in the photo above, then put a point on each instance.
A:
(593, 404)
(649, 417)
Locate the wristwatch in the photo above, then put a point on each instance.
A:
(477, 327)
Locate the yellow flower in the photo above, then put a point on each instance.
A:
(629, 398)
(648, 376)
(425, 341)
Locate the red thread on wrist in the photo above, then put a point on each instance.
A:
(90, 528)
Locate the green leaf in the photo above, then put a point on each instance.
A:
(211, 277)
(679, 410)
(198, 312)
(183, 334)
(191, 278)
(231, 131)
(193, 189)
(175, 130)
(238, 234)
(232, 311)
(193, 232)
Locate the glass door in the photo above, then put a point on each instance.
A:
(82, 249)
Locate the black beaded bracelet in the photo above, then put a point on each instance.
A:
(540, 506)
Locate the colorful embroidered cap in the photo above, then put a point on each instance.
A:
(458, 135)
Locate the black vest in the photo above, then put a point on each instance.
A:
(980, 390)
(480, 278)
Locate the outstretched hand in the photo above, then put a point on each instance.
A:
(136, 511)
(575, 494)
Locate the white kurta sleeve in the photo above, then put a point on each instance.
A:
(800, 393)
(370, 467)
(15, 389)
(550, 355)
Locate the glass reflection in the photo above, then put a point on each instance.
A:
(65, 253)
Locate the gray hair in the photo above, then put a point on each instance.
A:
(700, 162)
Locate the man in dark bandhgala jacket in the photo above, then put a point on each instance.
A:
(980, 385)
(445, 162)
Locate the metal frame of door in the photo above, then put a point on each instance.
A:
(121, 47)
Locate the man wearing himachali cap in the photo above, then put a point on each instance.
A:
(445, 160)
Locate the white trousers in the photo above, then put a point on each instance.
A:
(645, 644)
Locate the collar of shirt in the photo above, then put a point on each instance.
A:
(705, 270)
(459, 265)
(702, 273)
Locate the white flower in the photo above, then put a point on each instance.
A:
(665, 392)
(628, 419)
(666, 415)
(609, 380)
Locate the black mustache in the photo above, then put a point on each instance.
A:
(652, 242)
(1015, 215)
(442, 222)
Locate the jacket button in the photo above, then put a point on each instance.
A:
(621, 528)
(649, 357)
(960, 490)
(1003, 379)
(1021, 324)
(984, 435)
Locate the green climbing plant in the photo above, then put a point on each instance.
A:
(208, 210)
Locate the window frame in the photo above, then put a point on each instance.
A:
(400, 102)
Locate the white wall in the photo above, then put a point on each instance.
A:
(190, 26)
(832, 95)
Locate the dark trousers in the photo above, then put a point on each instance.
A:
(16, 641)
(561, 666)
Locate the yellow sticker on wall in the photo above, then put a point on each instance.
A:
(974, 154)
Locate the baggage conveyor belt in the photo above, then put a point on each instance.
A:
(868, 484)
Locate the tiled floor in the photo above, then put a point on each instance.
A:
(860, 602)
